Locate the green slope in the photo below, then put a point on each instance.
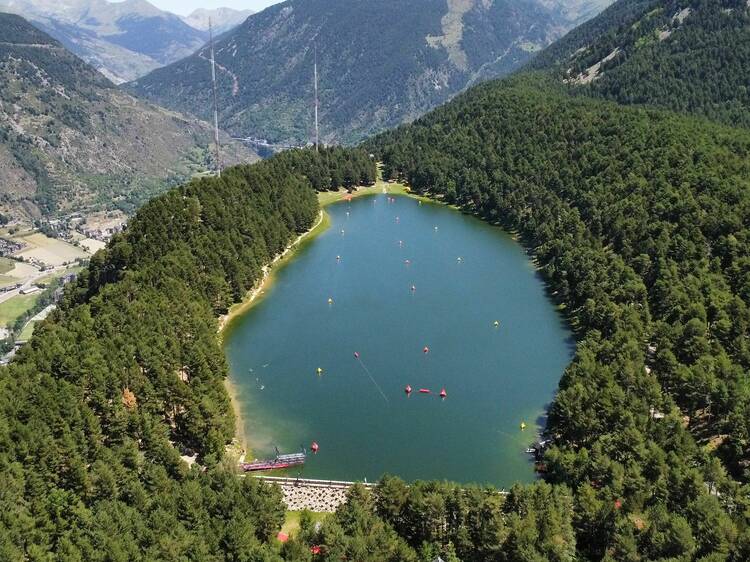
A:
(639, 223)
(127, 375)
(691, 56)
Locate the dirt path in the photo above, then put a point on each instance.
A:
(235, 80)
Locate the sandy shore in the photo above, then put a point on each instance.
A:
(254, 295)
(238, 309)
(247, 303)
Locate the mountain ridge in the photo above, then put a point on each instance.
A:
(222, 19)
(70, 140)
(123, 40)
(381, 62)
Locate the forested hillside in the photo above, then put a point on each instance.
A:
(381, 62)
(639, 222)
(128, 375)
(691, 56)
(70, 140)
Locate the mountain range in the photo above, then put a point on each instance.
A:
(381, 62)
(123, 40)
(70, 140)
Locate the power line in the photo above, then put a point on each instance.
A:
(315, 73)
(216, 101)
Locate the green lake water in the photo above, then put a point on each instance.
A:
(495, 378)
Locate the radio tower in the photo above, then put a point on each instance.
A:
(315, 73)
(216, 102)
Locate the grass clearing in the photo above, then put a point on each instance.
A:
(27, 331)
(6, 265)
(327, 197)
(6, 280)
(11, 309)
(291, 522)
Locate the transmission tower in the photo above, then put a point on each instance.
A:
(216, 100)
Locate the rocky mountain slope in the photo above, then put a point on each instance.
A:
(123, 40)
(691, 56)
(70, 140)
(222, 19)
(381, 62)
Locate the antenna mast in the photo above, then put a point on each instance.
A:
(216, 102)
(315, 71)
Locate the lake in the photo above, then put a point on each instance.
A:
(401, 276)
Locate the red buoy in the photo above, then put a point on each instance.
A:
(356, 354)
(314, 447)
(407, 390)
(443, 393)
(426, 349)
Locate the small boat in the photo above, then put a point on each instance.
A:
(531, 451)
(425, 391)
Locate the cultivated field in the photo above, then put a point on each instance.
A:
(49, 251)
(92, 245)
(12, 272)
(11, 309)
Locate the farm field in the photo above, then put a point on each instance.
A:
(49, 251)
(92, 245)
(15, 307)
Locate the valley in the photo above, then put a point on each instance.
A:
(508, 291)
(381, 63)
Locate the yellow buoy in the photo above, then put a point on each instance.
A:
(523, 425)
(319, 371)
(330, 300)
(496, 323)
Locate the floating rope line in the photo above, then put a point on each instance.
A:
(366, 370)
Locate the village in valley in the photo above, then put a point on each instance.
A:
(36, 261)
